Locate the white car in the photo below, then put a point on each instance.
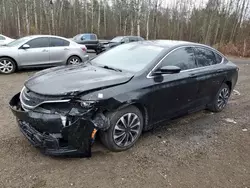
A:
(5, 40)
(40, 51)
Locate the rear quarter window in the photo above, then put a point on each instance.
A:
(218, 58)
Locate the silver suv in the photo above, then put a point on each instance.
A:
(40, 51)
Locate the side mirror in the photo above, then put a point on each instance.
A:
(122, 42)
(25, 46)
(83, 38)
(167, 70)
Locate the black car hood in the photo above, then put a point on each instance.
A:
(71, 80)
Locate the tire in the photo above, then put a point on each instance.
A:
(112, 138)
(221, 99)
(74, 60)
(97, 52)
(7, 65)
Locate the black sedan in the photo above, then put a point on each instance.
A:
(121, 93)
(116, 42)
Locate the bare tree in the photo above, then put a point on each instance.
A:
(212, 21)
(27, 18)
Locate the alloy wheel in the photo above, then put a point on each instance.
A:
(223, 98)
(74, 61)
(6, 66)
(126, 130)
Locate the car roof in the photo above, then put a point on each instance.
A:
(170, 43)
(167, 43)
(35, 36)
(128, 36)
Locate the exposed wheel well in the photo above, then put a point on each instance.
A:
(143, 110)
(229, 84)
(11, 59)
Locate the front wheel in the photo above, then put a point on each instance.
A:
(7, 66)
(221, 99)
(125, 128)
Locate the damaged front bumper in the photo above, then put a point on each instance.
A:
(47, 131)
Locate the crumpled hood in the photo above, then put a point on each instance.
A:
(70, 80)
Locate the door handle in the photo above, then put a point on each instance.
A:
(66, 49)
(45, 50)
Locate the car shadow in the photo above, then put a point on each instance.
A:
(198, 125)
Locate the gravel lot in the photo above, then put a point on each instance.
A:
(200, 150)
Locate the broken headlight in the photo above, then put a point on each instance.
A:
(87, 104)
(81, 107)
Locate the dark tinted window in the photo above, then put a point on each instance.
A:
(205, 57)
(183, 58)
(39, 42)
(218, 58)
(54, 42)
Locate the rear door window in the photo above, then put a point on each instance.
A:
(205, 57)
(56, 42)
(183, 58)
(41, 42)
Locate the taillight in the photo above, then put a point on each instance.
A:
(84, 49)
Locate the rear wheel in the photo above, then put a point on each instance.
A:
(221, 99)
(73, 60)
(7, 66)
(125, 128)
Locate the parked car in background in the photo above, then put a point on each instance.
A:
(90, 40)
(117, 41)
(5, 40)
(120, 93)
(40, 51)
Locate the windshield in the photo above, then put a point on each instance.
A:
(131, 57)
(116, 39)
(77, 37)
(18, 42)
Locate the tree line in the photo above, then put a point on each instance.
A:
(224, 24)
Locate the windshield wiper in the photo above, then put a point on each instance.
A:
(111, 68)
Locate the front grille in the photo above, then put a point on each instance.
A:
(30, 100)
